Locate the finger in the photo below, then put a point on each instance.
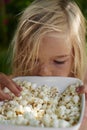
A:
(20, 89)
(18, 86)
(7, 82)
(4, 96)
(13, 88)
(81, 89)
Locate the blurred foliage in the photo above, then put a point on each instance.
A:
(9, 13)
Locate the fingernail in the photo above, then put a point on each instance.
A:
(9, 98)
(20, 88)
(77, 89)
(19, 94)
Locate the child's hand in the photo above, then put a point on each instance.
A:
(5, 81)
(82, 89)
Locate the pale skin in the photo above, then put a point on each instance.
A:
(55, 56)
(55, 59)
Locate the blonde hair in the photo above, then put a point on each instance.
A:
(43, 16)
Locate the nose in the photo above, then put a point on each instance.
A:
(44, 70)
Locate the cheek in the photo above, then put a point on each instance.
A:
(34, 72)
(61, 71)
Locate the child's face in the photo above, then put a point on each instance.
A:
(55, 56)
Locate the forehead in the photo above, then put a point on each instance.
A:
(55, 43)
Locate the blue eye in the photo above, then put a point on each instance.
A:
(59, 62)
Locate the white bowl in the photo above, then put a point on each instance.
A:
(62, 83)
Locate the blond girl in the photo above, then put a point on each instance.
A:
(49, 41)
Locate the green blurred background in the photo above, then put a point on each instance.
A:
(9, 14)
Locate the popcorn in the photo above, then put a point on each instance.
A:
(10, 114)
(67, 98)
(20, 120)
(76, 99)
(42, 106)
(55, 123)
(27, 109)
(63, 123)
(61, 111)
(47, 120)
(33, 85)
